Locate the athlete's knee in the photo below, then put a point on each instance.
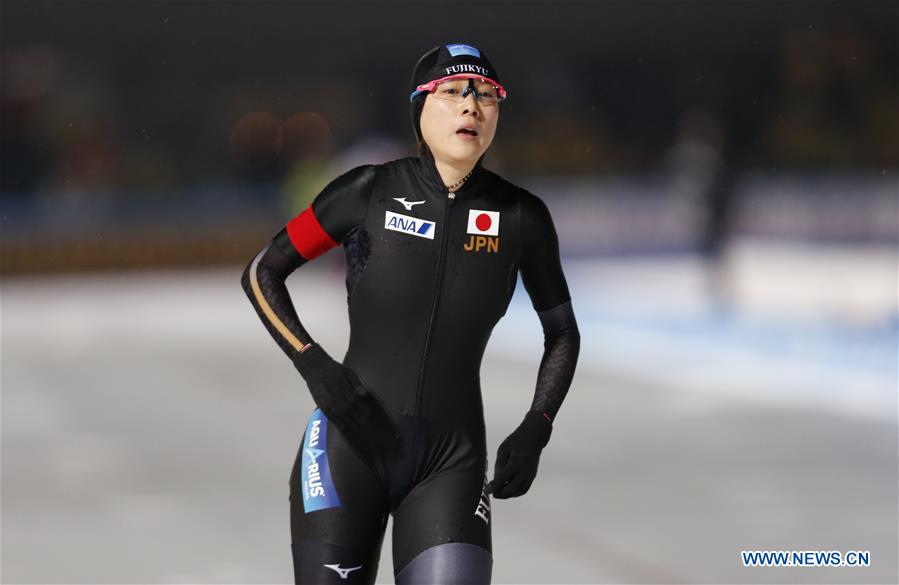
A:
(452, 563)
(321, 562)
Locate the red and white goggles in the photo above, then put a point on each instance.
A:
(499, 94)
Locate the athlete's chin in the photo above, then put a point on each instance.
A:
(468, 151)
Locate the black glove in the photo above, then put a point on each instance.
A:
(518, 456)
(335, 388)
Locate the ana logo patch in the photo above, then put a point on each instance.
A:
(483, 223)
(414, 226)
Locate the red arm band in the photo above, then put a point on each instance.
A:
(308, 236)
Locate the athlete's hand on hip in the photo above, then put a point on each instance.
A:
(335, 388)
(518, 456)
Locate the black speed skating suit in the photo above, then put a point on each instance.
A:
(429, 274)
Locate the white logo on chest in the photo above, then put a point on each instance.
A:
(407, 204)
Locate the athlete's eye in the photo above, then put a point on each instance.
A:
(486, 90)
(451, 88)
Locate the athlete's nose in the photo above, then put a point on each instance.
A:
(471, 105)
(473, 109)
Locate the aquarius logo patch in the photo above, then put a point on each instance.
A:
(319, 491)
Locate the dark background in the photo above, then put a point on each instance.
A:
(179, 114)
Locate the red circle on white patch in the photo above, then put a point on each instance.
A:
(483, 222)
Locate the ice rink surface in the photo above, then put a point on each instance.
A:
(149, 424)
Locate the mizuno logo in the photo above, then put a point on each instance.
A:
(344, 573)
(414, 226)
(407, 204)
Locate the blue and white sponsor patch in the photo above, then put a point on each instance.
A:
(319, 491)
(414, 226)
(456, 50)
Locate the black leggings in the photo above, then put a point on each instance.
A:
(430, 476)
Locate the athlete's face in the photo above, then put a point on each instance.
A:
(458, 131)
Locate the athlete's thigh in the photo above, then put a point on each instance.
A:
(338, 509)
(441, 530)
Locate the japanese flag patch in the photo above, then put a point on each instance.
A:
(483, 223)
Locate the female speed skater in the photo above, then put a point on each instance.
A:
(434, 245)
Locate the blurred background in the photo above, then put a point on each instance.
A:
(723, 179)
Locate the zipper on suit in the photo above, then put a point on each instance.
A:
(441, 256)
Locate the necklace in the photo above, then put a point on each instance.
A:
(455, 186)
